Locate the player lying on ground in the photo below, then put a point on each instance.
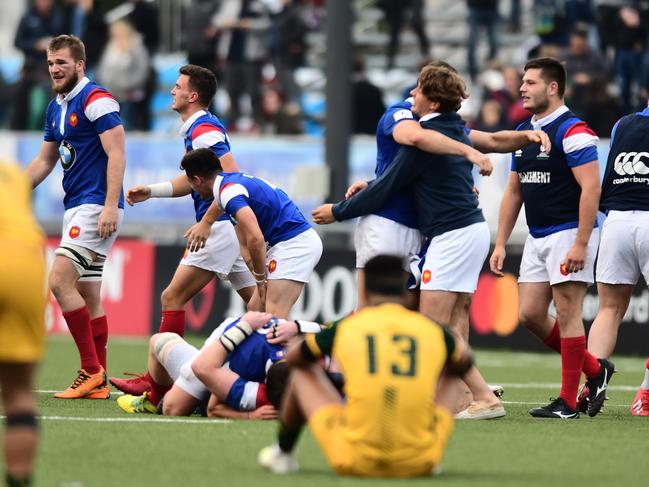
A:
(400, 373)
(246, 388)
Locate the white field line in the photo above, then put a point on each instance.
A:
(606, 405)
(133, 420)
(550, 385)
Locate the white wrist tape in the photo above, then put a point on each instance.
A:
(234, 335)
(308, 326)
(162, 190)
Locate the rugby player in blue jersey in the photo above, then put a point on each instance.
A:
(560, 189)
(284, 249)
(624, 245)
(248, 386)
(83, 130)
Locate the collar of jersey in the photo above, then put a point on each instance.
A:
(429, 116)
(75, 91)
(542, 122)
(185, 128)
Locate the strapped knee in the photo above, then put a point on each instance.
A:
(163, 341)
(80, 257)
(95, 270)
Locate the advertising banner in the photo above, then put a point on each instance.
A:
(331, 294)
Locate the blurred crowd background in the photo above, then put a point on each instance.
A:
(269, 56)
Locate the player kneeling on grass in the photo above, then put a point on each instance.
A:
(247, 388)
(400, 372)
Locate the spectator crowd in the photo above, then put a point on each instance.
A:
(255, 48)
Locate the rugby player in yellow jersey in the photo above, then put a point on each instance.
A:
(400, 369)
(22, 328)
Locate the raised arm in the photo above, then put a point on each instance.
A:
(403, 170)
(43, 163)
(509, 140)
(411, 133)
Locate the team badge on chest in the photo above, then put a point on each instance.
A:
(74, 119)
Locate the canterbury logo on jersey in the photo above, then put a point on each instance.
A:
(67, 155)
(632, 163)
(534, 177)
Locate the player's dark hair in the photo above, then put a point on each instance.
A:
(384, 275)
(202, 81)
(76, 46)
(276, 382)
(201, 162)
(442, 85)
(551, 70)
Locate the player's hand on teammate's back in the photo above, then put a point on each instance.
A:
(496, 261)
(197, 235)
(137, 194)
(107, 224)
(282, 332)
(540, 137)
(576, 258)
(264, 412)
(355, 188)
(256, 319)
(323, 214)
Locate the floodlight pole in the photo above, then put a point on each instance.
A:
(338, 94)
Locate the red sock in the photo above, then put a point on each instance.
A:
(100, 337)
(157, 391)
(553, 340)
(572, 361)
(173, 321)
(592, 366)
(79, 324)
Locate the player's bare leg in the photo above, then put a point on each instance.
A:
(360, 282)
(19, 406)
(534, 301)
(613, 303)
(439, 307)
(63, 283)
(308, 390)
(281, 295)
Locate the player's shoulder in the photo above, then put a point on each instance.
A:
(92, 92)
(401, 110)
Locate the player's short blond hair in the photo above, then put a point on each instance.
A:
(73, 43)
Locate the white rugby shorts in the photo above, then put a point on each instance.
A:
(80, 227)
(542, 258)
(294, 259)
(454, 259)
(376, 235)
(624, 248)
(221, 256)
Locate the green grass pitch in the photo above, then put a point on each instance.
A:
(92, 443)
